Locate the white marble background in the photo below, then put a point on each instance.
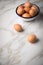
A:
(14, 47)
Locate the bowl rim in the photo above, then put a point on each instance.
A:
(28, 17)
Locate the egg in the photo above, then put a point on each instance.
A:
(21, 6)
(20, 10)
(26, 15)
(32, 12)
(27, 9)
(27, 4)
(18, 27)
(32, 38)
(34, 8)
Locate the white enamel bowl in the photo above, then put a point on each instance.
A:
(28, 19)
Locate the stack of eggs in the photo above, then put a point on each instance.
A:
(27, 10)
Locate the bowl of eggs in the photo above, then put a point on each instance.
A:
(27, 11)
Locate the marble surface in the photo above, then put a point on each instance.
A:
(14, 47)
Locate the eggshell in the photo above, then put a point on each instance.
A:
(32, 38)
(28, 4)
(21, 6)
(20, 10)
(27, 9)
(18, 27)
(34, 8)
(26, 15)
(32, 12)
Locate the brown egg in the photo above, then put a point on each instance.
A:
(21, 6)
(32, 38)
(20, 10)
(26, 15)
(32, 12)
(18, 27)
(27, 4)
(34, 8)
(27, 9)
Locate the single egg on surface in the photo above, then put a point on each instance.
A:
(26, 15)
(18, 27)
(32, 38)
